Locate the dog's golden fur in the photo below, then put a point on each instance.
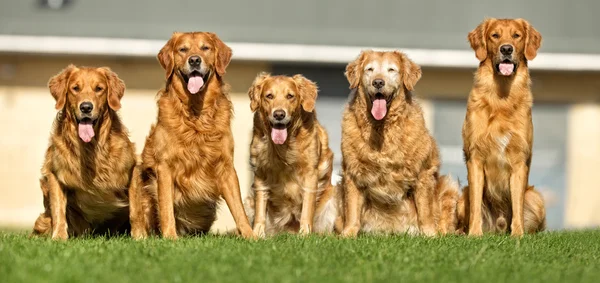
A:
(84, 184)
(187, 162)
(498, 134)
(390, 179)
(292, 189)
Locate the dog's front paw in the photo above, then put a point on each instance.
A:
(249, 234)
(475, 233)
(305, 229)
(170, 234)
(138, 233)
(444, 231)
(60, 236)
(60, 233)
(516, 231)
(429, 231)
(350, 232)
(259, 230)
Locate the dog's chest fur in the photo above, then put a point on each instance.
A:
(193, 157)
(95, 177)
(282, 167)
(498, 139)
(386, 161)
(196, 149)
(283, 170)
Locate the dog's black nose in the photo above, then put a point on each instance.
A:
(195, 61)
(86, 107)
(378, 83)
(506, 49)
(279, 115)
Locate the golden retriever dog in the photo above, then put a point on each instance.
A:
(390, 166)
(187, 162)
(498, 132)
(89, 162)
(290, 157)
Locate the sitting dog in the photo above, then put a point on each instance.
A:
(498, 132)
(187, 162)
(290, 157)
(390, 179)
(89, 162)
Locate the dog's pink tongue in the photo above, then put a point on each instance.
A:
(379, 108)
(278, 135)
(86, 131)
(194, 84)
(506, 69)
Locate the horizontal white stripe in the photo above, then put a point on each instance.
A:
(278, 52)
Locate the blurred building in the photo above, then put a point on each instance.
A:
(316, 38)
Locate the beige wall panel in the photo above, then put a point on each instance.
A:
(428, 113)
(583, 153)
(26, 116)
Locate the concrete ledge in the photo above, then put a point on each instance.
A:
(278, 52)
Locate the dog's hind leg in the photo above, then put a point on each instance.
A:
(326, 213)
(137, 216)
(43, 224)
(424, 200)
(447, 202)
(534, 211)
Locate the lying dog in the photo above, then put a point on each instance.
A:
(498, 132)
(290, 157)
(390, 179)
(187, 162)
(88, 164)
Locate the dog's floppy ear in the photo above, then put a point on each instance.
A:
(307, 90)
(411, 72)
(533, 40)
(116, 89)
(354, 69)
(58, 86)
(256, 89)
(477, 38)
(223, 53)
(165, 55)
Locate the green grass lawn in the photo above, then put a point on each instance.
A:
(547, 257)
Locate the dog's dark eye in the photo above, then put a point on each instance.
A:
(495, 35)
(99, 89)
(183, 49)
(290, 96)
(269, 96)
(370, 70)
(391, 70)
(516, 35)
(204, 48)
(76, 88)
